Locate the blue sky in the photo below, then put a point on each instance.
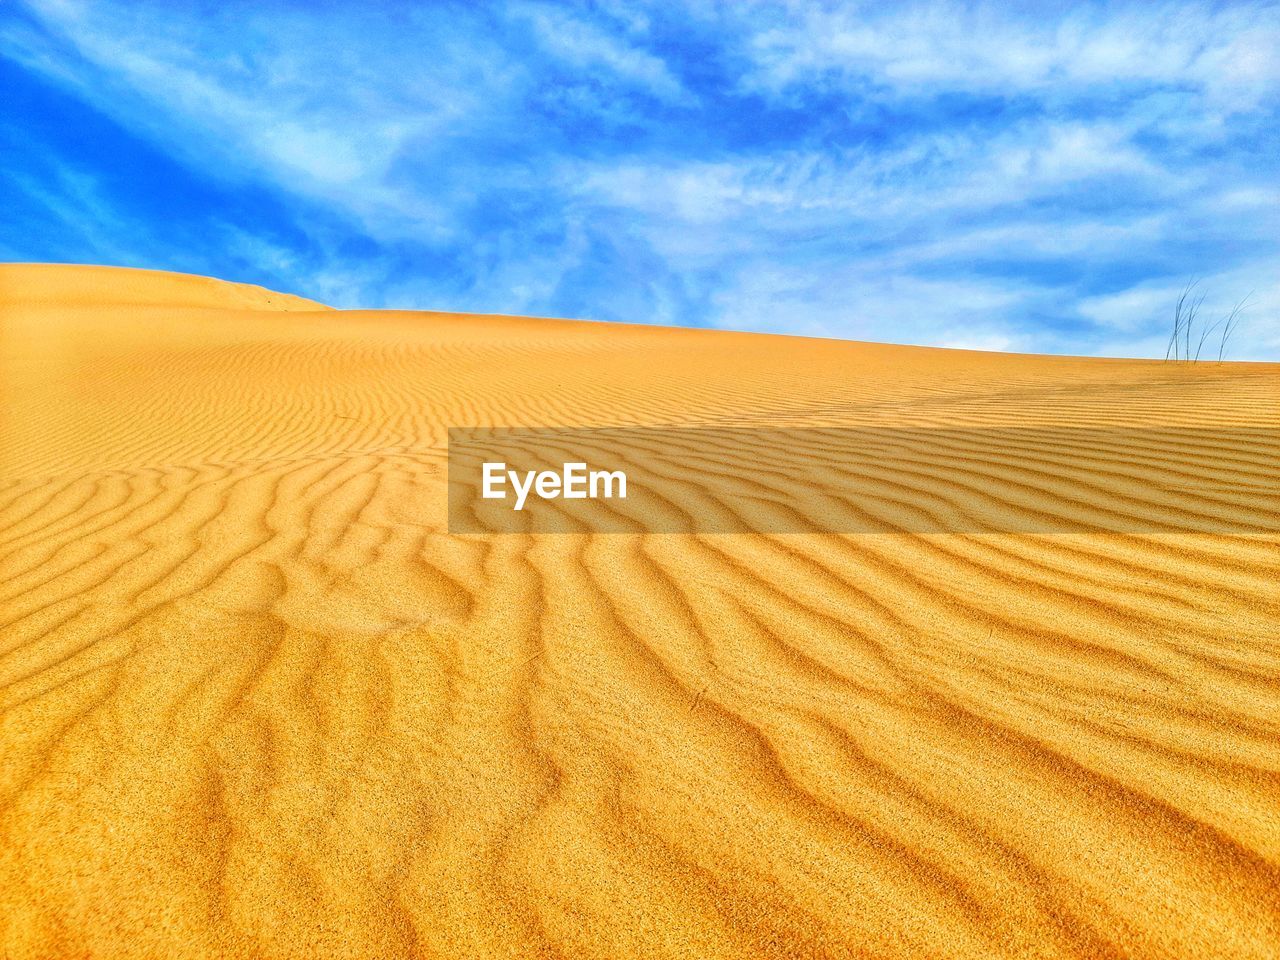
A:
(1002, 176)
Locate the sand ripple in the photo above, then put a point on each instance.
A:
(255, 701)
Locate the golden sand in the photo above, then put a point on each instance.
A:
(255, 701)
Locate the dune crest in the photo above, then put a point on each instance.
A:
(255, 701)
(76, 285)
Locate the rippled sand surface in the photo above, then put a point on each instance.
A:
(255, 701)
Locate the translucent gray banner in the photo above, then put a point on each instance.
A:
(864, 480)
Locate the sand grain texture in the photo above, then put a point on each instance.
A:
(256, 702)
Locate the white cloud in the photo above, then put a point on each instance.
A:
(1135, 308)
(1226, 53)
(187, 83)
(857, 301)
(583, 44)
(948, 171)
(1140, 317)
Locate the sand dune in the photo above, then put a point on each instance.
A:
(255, 701)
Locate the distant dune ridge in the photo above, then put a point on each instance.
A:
(255, 701)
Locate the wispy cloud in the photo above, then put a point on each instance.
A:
(958, 174)
(1226, 54)
(586, 46)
